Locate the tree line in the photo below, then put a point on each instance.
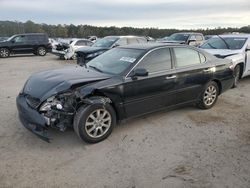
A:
(8, 28)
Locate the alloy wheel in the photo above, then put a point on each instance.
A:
(4, 52)
(210, 95)
(98, 123)
(41, 51)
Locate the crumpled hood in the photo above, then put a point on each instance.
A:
(90, 50)
(222, 52)
(47, 83)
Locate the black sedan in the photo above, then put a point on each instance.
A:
(121, 83)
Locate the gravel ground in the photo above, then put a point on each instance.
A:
(185, 147)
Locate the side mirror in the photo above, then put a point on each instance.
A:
(115, 45)
(13, 41)
(140, 72)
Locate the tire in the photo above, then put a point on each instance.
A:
(41, 51)
(237, 71)
(4, 52)
(86, 127)
(209, 96)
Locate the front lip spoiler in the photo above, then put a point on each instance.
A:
(31, 119)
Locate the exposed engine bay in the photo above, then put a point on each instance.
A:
(59, 110)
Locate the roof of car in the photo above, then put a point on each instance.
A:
(32, 34)
(189, 33)
(127, 36)
(234, 35)
(149, 46)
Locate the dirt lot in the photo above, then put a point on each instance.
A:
(186, 147)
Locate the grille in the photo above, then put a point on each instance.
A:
(32, 102)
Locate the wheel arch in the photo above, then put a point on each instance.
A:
(91, 98)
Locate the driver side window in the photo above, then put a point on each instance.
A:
(19, 39)
(157, 60)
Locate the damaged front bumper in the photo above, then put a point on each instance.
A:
(31, 119)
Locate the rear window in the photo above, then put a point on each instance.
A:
(186, 57)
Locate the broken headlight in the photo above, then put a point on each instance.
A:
(57, 102)
(49, 103)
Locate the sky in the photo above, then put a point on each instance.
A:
(179, 14)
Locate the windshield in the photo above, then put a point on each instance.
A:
(106, 42)
(178, 37)
(9, 39)
(233, 43)
(115, 61)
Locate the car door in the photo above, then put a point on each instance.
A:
(20, 44)
(192, 73)
(152, 92)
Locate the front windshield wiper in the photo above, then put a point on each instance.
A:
(224, 41)
(93, 67)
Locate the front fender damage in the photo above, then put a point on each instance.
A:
(59, 112)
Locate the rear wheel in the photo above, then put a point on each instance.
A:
(237, 71)
(4, 52)
(41, 51)
(94, 123)
(209, 96)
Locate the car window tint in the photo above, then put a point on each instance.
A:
(20, 39)
(157, 60)
(186, 57)
(80, 43)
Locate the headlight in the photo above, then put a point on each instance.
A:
(52, 101)
(55, 101)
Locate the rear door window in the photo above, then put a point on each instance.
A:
(186, 57)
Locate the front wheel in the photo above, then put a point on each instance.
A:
(209, 96)
(94, 123)
(4, 52)
(41, 51)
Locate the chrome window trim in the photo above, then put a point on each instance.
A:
(126, 77)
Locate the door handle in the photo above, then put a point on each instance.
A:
(171, 77)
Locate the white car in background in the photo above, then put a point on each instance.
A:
(235, 47)
(67, 51)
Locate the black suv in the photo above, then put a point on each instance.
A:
(102, 45)
(36, 43)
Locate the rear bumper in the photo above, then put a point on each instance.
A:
(31, 119)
